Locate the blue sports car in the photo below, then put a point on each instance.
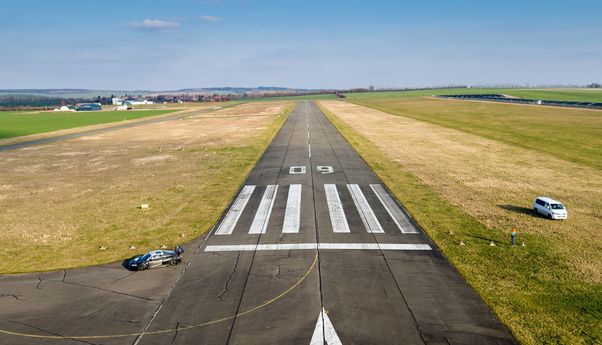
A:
(156, 258)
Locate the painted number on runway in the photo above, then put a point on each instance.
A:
(325, 169)
(297, 170)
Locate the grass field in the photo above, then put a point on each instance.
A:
(19, 123)
(570, 134)
(464, 187)
(579, 95)
(60, 203)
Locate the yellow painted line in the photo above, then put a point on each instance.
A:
(246, 312)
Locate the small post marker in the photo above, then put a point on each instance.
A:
(462, 243)
(492, 244)
(144, 206)
(513, 236)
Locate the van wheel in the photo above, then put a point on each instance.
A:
(549, 216)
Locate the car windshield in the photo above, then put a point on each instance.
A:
(144, 257)
(557, 207)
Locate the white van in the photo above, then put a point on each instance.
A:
(550, 208)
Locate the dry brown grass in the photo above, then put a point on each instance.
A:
(60, 202)
(494, 182)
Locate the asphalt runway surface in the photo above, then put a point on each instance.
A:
(312, 250)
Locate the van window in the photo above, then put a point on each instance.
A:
(557, 207)
(540, 202)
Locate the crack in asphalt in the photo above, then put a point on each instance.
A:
(39, 282)
(234, 268)
(184, 270)
(176, 332)
(97, 288)
(122, 277)
(17, 297)
(52, 333)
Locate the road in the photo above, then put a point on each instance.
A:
(313, 250)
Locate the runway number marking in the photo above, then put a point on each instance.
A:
(296, 170)
(324, 331)
(325, 169)
(230, 220)
(260, 222)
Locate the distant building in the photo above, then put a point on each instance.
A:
(88, 107)
(65, 108)
(117, 101)
(122, 107)
(138, 102)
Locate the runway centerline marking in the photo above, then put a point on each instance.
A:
(231, 218)
(324, 331)
(262, 216)
(314, 246)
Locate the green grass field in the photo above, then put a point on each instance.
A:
(578, 95)
(532, 289)
(19, 123)
(570, 134)
(292, 98)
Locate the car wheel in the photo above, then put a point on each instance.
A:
(173, 262)
(143, 266)
(549, 216)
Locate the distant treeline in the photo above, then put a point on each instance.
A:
(23, 102)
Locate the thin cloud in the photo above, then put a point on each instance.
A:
(155, 25)
(210, 19)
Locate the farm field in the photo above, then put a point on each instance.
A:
(19, 123)
(86, 191)
(577, 95)
(569, 134)
(468, 189)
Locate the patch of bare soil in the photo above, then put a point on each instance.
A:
(72, 196)
(494, 182)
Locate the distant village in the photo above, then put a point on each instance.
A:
(128, 103)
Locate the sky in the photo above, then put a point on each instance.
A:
(174, 44)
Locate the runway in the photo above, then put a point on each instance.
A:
(312, 250)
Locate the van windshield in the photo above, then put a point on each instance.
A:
(557, 207)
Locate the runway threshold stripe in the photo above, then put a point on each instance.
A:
(262, 216)
(231, 218)
(292, 214)
(399, 217)
(323, 246)
(335, 209)
(368, 218)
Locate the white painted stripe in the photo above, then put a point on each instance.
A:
(335, 209)
(399, 217)
(368, 218)
(262, 216)
(292, 214)
(231, 218)
(309, 149)
(324, 331)
(322, 246)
